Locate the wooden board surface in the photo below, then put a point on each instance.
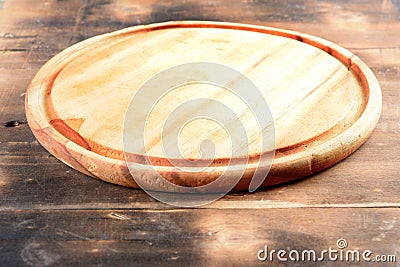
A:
(357, 199)
(324, 103)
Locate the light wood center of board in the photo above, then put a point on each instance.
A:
(310, 93)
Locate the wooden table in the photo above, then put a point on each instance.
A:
(52, 215)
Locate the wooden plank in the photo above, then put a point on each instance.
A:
(348, 24)
(190, 236)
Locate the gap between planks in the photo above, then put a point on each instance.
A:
(219, 205)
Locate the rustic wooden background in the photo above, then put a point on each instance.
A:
(52, 215)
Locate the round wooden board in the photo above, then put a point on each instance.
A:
(324, 100)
